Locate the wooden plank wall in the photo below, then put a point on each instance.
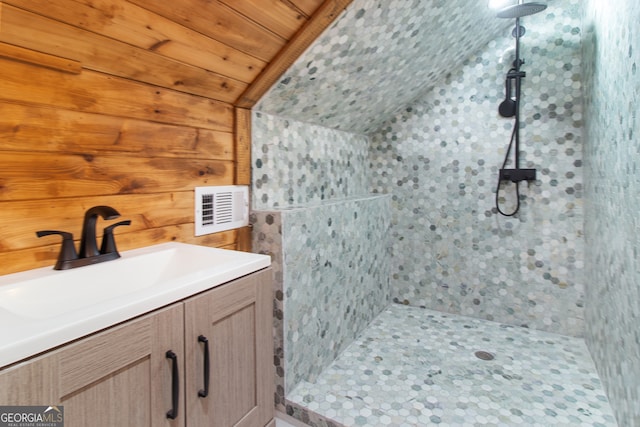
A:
(132, 104)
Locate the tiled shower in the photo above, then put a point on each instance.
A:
(375, 163)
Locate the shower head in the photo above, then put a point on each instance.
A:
(520, 10)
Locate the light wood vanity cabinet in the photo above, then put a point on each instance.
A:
(118, 377)
(238, 328)
(124, 376)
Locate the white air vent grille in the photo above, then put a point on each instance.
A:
(221, 208)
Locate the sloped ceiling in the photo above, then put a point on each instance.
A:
(377, 58)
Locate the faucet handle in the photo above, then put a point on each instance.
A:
(108, 241)
(67, 250)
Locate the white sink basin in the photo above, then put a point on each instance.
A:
(43, 308)
(56, 292)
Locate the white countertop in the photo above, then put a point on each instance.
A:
(43, 308)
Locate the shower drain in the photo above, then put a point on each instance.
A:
(484, 355)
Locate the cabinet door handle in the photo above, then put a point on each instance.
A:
(205, 391)
(175, 386)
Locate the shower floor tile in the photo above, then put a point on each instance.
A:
(417, 367)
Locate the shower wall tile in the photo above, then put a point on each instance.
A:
(440, 157)
(267, 239)
(376, 58)
(327, 236)
(332, 278)
(611, 48)
(296, 164)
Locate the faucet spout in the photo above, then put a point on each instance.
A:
(89, 244)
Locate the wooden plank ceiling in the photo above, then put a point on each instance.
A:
(132, 103)
(202, 47)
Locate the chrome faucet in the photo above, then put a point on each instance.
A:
(89, 253)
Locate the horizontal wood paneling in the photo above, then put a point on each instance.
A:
(76, 175)
(132, 104)
(280, 17)
(100, 53)
(214, 19)
(101, 93)
(38, 58)
(46, 129)
(308, 7)
(139, 27)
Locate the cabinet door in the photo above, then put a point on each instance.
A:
(118, 377)
(236, 321)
